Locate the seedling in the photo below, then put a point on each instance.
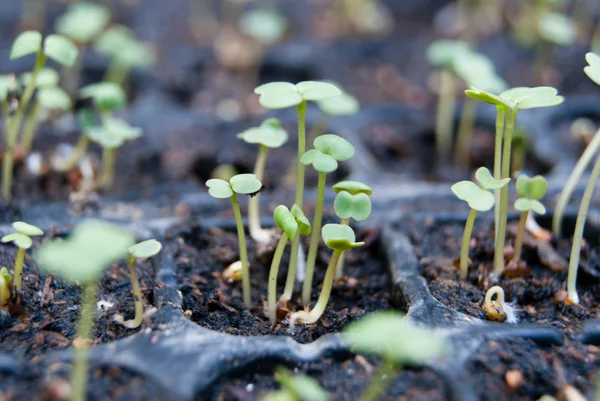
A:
(269, 135)
(397, 341)
(266, 26)
(8, 87)
(342, 105)
(352, 202)
(5, 287)
(55, 47)
(245, 184)
(83, 257)
(495, 308)
(329, 149)
(22, 239)
(554, 29)
(479, 198)
(530, 191)
(509, 102)
(296, 388)
(339, 238)
(291, 223)
(281, 95)
(142, 250)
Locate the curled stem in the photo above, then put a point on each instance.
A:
(578, 234)
(466, 241)
(79, 375)
(137, 296)
(256, 231)
(520, 235)
(496, 291)
(380, 381)
(273, 277)
(314, 240)
(243, 250)
(465, 133)
(18, 274)
(445, 113)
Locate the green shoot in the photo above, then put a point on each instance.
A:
(296, 388)
(246, 184)
(479, 199)
(493, 304)
(268, 135)
(291, 223)
(83, 257)
(55, 47)
(22, 239)
(5, 287)
(339, 238)
(397, 341)
(329, 149)
(530, 191)
(352, 202)
(510, 102)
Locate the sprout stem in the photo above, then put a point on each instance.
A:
(445, 113)
(500, 237)
(497, 291)
(319, 128)
(465, 133)
(30, 126)
(317, 311)
(380, 381)
(498, 162)
(256, 231)
(520, 235)
(291, 275)
(80, 149)
(116, 73)
(314, 240)
(79, 375)
(243, 250)
(18, 273)
(108, 167)
(565, 195)
(273, 277)
(578, 235)
(137, 296)
(466, 241)
(339, 270)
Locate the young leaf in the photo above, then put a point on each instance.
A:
(6, 275)
(266, 26)
(357, 207)
(245, 184)
(113, 133)
(342, 105)
(135, 54)
(61, 50)
(321, 162)
(46, 77)
(269, 134)
(334, 146)
(304, 388)
(443, 53)
(486, 181)
(28, 42)
(145, 249)
(20, 240)
(27, 229)
(353, 187)
(531, 98)
(339, 237)
(8, 84)
(315, 90)
(477, 198)
(557, 28)
(112, 41)
(532, 188)
(107, 96)
(593, 69)
(83, 21)
(487, 97)
(301, 219)
(478, 70)
(285, 221)
(219, 189)
(279, 95)
(54, 98)
(525, 204)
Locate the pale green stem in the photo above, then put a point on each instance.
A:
(319, 128)
(256, 231)
(108, 167)
(243, 250)
(578, 234)
(80, 149)
(79, 374)
(116, 73)
(583, 162)
(466, 241)
(137, 297)
(317, 311)
(15, 124)
(314, 240)
(18, 273)
(291, 275)
(380, 381)
(273, 278)
(445, 114)
(30, 126)
(500, 237)
(339, 270)
(520, 235)
(498, 162)
(465, 133)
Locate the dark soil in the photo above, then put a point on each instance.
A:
(49, 311)
(538, 297)
(213, 303)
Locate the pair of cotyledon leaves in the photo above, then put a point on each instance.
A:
(329, 149)
(352, 200)
(22, 237)
(296, 388)
(270, 134)
(56, 47)
(280, 95)
(530, 190)
(83, 21)
(244, 184)
(119, 43)
(107, 96)
(593, 69)
(478, 196)
(519, 98)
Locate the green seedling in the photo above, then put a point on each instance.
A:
(241, 184)
(342, 105)
(291, 223)
(593, 72)
(5, 287)
(479, 199)
(281, 95)
(530, 191)
(125, 52)
(351, 202)
(339, 238)
(329, 149)
(508, 104)
(55, 47)
(141, 250)
(397, 341)
(444, 55)
(296, 388)
(554, 29)
(269, 135)
(22, 239)
(82, 258)
(267, 26)
(495, 307)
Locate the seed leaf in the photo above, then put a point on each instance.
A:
(107, 96)
(135, 54)
(334, 146)
(20, 240)
(593, 69)
(303, 388)
(477, 198)
(557, 28)
(266, 26)
(477, 70)
(443, 53)
(26, 43)
(219, 189)
(315, 90)
(54, 98)
(6, 275)
(280, 99)
(46, 77)
(245, 184)
(348, 206)
(279, 95)
(532, 188)
(61, 50)
(525, 204)
(269, 134)
(145, 249)
(339, 237)
(486, 181)
(274, 87)
(531, 98)
(82, 22)
(27, 229)
(320, 161)
(301, 219)
(353, 187)
(342, 105)
(112, 41)
(487, 97)
(285, 220)
(113, 133)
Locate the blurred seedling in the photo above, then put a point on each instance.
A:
(22, 240)
(480, 199)
(296, 388)
(6, 286)
(269, 135)
(351, 202)
(339, 238)
(241, 184)
(292, 223)
(530, 191)
(265, 25)
(342, 105)
(55, 47)
(397, 342)
(495, 307)
(329, 150)
(92, 247)
(508, 104)
(8, 98)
